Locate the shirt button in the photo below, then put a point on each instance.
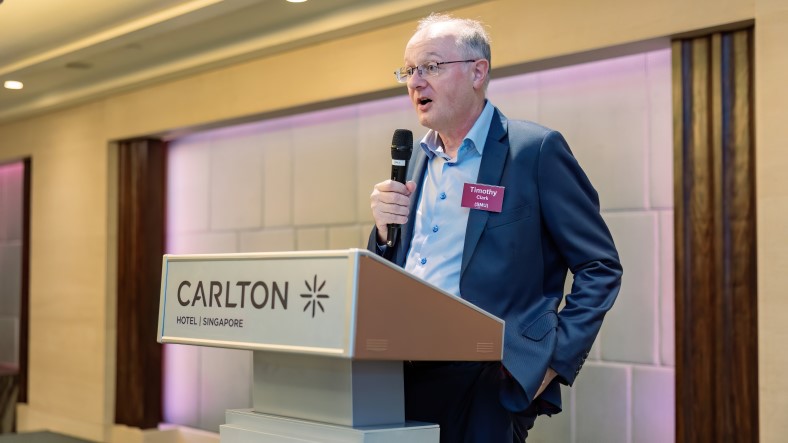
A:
(443, 196)
(423, 261)
(435, 228)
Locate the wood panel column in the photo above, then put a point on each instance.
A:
(716, 279)
(141, 244)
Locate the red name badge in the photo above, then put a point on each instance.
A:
(482, 197)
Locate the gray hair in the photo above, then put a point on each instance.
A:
(472, 38)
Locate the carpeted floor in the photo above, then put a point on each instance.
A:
(39, 437)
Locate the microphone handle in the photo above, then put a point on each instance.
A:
(398, 173)
(393, 235)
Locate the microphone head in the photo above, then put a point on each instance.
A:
(402, 144)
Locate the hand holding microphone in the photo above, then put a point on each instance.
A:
(390, 199)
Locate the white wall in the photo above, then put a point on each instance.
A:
(11, 196)
(303, 182)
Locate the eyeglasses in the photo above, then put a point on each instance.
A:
(430, 69)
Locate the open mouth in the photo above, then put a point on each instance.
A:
(424, 101)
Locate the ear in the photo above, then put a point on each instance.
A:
(481, 70)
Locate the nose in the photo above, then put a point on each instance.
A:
(416, 80)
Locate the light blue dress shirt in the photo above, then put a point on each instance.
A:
(435, 253)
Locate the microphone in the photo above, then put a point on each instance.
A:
(401, 149)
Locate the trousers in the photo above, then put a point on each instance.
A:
(463, 398)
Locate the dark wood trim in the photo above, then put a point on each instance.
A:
(24, 308)
(141, 243)
(716, 291)
(741, 266)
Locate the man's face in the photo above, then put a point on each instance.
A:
(445, 102)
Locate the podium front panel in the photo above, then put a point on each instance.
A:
(296, 303)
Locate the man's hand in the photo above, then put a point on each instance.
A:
(389, 202)
(548, 377)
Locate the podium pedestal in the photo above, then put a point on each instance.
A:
(329, 389)
(247, 426)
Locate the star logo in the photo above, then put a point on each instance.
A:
(314, 296)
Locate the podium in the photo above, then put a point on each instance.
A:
(329, 331)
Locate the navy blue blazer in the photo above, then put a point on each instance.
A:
(514, 263)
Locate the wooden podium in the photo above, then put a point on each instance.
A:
(329, 331)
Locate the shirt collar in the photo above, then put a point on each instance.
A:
(475, 139)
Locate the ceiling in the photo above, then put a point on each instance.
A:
(71, 51)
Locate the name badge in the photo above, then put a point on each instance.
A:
(482, 197)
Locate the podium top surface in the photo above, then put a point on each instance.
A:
(341, 303)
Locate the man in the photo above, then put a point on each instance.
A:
(510, 261)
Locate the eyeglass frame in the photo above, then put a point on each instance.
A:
(422, 69)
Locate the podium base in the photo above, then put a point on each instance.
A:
(247, 426)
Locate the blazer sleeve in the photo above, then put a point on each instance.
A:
(570, 211)
(372, 243)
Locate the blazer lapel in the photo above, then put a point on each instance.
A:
(490, 170)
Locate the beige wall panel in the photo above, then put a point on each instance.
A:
(278, 178)
(311, 239)
(667, 292)
(203, 243)
(608, 420)
(236, 171)
(269, 240)
(68, 318)
(189, 167)
(660, 129)
(771, 95)
(15, 141)
(534, 30)
(327, 71)
(75, 346)
(345, 237)
(31, 419)
(324, 167)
